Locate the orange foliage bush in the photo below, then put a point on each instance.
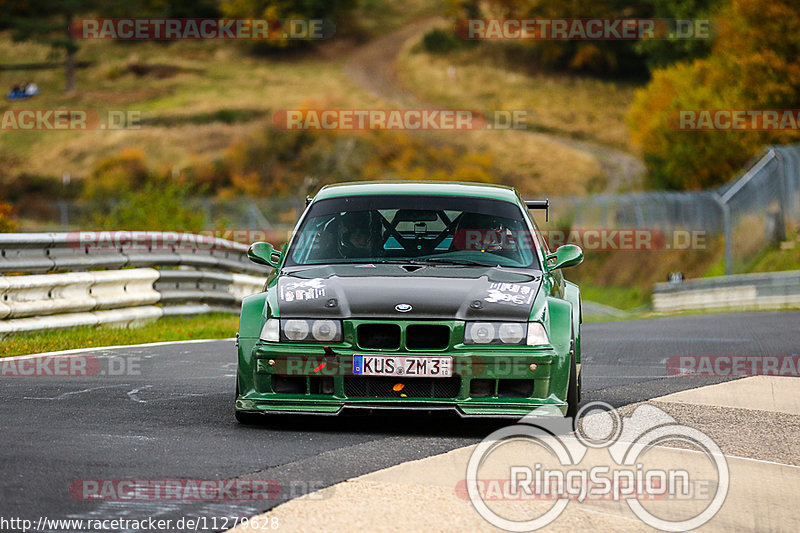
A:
(754, 64)
(7, 222)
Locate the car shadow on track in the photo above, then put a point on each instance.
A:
(406, 424)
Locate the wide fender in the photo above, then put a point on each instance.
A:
(572, 293)
(560, 331)
(251, 321)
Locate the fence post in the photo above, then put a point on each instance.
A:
(726, 232)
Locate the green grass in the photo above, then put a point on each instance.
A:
(578, 107)
(212, 95)
(218, 93)
(377, 17)
(773, 259)
(625, 298)
(770, 259)
(212, 326)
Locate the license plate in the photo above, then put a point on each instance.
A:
(403, 365)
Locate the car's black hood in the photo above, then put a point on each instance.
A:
(432, 292)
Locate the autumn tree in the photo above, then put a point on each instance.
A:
(662, 52)
(754, 65)
(333, 12)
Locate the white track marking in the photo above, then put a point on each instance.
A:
(134, 394)
(76, 351)
(68, 394)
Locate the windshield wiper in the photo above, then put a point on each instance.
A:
(455, 261)
(433, 260)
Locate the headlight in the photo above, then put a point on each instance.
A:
(530, 333)
(511, 333)
(494, 333)
(299, 329)
(295, 330)
(480, 333)
(324, 330)
(271, 330)
(536, 334)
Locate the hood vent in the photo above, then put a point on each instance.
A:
(411, 268)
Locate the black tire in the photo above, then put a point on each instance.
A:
(573, 393)
(247, 417)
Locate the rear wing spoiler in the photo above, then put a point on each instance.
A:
(540, 204)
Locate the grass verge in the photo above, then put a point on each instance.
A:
(625, 298)
(482, 77)
(212, 326)
(211, 93)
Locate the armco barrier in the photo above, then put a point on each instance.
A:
(773, 290)
(58, 280)
(33, 253)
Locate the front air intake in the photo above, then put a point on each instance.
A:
(378, 336)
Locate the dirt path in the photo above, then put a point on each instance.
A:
(372, 67)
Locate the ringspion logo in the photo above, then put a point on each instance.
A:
(601, 457)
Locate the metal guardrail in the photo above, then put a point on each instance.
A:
(773, 290)
(59, 280)
(64, 252)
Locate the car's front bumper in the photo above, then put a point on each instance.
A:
(485, 383)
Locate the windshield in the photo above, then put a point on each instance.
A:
(405, 228)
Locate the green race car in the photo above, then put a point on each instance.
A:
(412, 296)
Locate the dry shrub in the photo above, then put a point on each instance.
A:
(7, 222)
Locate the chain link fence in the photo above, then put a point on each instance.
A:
(756, 209)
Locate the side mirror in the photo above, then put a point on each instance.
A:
(264, 253)
(566, 256)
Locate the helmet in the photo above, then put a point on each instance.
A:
(490, 229)
(355, 235)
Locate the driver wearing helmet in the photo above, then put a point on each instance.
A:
(354, 236)
(480, 232)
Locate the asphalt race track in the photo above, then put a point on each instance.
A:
(173, 418)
